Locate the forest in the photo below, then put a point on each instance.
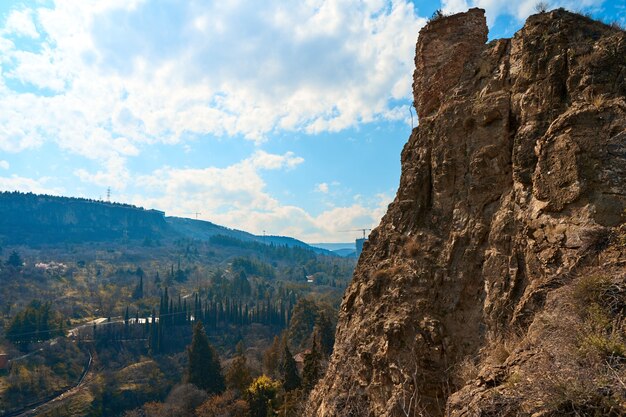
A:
(114, 326)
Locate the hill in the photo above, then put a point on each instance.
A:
(33, 219)
(44, 219)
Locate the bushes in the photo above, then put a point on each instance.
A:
(601, 304)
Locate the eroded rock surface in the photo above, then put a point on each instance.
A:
(510, 184)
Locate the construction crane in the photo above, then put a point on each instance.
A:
(358, 230)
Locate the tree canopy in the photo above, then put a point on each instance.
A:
(204, 369)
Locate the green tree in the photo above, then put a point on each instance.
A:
(15, 260)
(312, 368)
(238, 375)
(138, 291)
(325, 332)
(204, 369)
(303, 319)
(260, 395)
(271, 358)
(126, 322)
(35, 323)
(289, 370)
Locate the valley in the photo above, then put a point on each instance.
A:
(132, 301)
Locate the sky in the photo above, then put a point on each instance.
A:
(278, 116)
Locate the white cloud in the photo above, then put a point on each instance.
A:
(217, 190)
(523, 8)
(520, 9)
(236, 196)
(151, 72)
(264, 160)
(22, 184)
(454, 6)
(114, 175)
(322, 188)
(4, 164)
(20, 22)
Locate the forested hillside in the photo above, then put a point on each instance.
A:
(113, 308)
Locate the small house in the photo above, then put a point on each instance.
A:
(299, 358)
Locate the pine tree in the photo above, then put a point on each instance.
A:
(238, 375)
(289, 370)
(126, 323)
(312, 368)
(138, 291)
(153, 334)
(15, 260)
(326, 333)
(204, 369)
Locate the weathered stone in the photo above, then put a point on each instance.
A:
(516, 172)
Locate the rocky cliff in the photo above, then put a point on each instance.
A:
(496, 282)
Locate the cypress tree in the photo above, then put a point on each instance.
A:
(146, 328)
(326, 331)
(138, 291)
(289, 370)
(312, 368)
(15, 260)
(126, 323)
(153, 334)
(204, 369)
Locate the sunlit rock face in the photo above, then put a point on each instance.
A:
(510, 184)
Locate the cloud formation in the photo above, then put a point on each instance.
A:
(158, 71)
(322, 188)
(519, 10)
(29, 185)
(236, 196)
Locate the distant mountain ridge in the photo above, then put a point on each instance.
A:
(36, 219)
(27, 218)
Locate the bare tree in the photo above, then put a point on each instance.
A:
(542, 6)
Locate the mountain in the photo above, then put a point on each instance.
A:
(334, 246)
(494, 285)
(203, 230)
(339, 249)
(33, 219)
(345, 252)
(291, 242)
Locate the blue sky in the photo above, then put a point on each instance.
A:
(287, 117)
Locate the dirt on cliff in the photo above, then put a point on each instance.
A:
(496, 282)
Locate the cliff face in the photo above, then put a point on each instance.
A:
(39, 219)
(513, 186)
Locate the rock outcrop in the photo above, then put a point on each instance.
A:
(513, 187)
